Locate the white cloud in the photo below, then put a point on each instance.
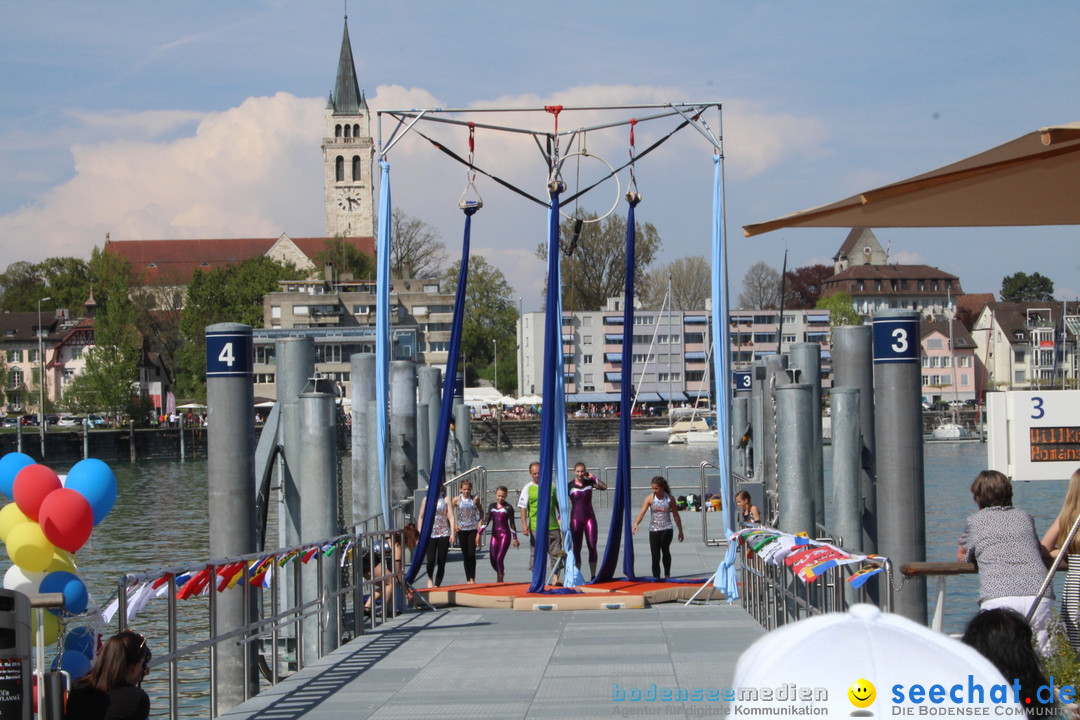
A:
(256, 171)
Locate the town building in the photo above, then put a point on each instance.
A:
(756, 334)
(1029, 345)
(949, 369)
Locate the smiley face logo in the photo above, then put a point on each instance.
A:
(862, 693)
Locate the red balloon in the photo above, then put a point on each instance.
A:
(66, 519)
(32, 485)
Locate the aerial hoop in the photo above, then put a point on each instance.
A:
(556, 174)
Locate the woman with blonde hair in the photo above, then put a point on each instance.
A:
(111, 688)
(1052, 541)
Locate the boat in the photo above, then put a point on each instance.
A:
(651, 435)
(683, 429)
(950, 430)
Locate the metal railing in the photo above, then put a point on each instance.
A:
(774, 596)
(280, 613)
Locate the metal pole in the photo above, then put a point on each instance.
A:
(793, 441)
(847, 504)
(318, 514)
(231, 473)
(740, 408)
(898, 422)
(521, 350)
(495, 344)
(41, 379)
(402, 476)
(362, 367)
(852, 355)
(807, 357)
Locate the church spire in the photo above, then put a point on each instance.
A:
(347, 98)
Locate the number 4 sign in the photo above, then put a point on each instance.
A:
(229, 354)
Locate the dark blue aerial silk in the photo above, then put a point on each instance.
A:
(621, 504)
(554, 402)
(724, 579)
(446, 408)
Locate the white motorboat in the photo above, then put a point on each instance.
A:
(651, 435)
(950, 431)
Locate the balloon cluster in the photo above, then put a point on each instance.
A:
(48, 522)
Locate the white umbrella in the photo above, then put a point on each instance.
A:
(191, 406)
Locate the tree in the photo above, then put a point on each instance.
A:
(596, 269)
(226, 294)
(490, 313)
(67, 281)
(691, 284)
(1022, 287)
(415, 244)
(111, 376)
(761, 287)
(804, 286)
(346, 258)
(22, 286)
(841, 309)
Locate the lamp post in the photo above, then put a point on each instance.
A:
(495, 343)
(41, 377)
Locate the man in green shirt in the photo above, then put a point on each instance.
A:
(527, 503)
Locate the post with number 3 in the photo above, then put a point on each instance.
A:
(898, 428)
(230, 420)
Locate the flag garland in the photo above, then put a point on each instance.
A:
(807, 558)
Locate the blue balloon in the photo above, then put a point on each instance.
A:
(72, 662)
(76, 596)
(10, 465)
(81, 639)
(96, 482)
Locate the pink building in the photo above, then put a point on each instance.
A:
(948, 372)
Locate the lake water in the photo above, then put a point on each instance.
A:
(160, 518)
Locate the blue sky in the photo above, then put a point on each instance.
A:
(203, 118)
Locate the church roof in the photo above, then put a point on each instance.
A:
(859, 237)
(347, 98)
(172, 262)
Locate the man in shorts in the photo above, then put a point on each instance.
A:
(528, 503)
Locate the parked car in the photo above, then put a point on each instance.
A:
(96, 421)
(52, 419)
(10, 421)
(70, 421)
(29, 420)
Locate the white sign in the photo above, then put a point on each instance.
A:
(1034, 434)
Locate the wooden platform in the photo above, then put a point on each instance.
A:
(616, 595)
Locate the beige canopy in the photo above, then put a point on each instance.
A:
(1032, 180)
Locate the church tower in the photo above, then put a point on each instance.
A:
(347, 153)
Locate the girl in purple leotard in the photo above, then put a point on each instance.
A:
(582, 517)
(500, 518)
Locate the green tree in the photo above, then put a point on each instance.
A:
(1021, 287)
(22, 285)
(67, 281)
(416, 245)
(595, 268)
(490, 313)
(841, 309)
(228, 294)
(112, 364)
(346, 258)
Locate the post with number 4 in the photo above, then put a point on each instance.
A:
(230, 420)
(898, 429)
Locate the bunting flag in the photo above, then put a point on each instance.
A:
(860, 576)
(308, 554)
(230, 575)
(808, 559)
(196, 585)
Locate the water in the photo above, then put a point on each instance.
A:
(160, 520)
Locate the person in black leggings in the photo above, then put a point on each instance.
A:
(442, 535)
(467, 513)
(664, 511)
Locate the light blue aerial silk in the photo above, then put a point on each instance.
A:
(573, 576)
(620, 507)
(382, 339)
(446, 408)
(725, 578)
(553, 417)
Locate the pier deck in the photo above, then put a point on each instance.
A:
(496, 663)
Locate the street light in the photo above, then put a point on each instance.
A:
(41, 376)
(495, 342)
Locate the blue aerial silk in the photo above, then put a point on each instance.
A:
(446, 408)
(620, 510)
(553, 416)
(572, 577)
(382, 339)
(724, 579)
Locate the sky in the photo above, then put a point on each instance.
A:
(204, 119)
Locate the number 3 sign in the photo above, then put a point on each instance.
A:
(896, 340)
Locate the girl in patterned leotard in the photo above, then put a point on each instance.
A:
(467, 511)
(442, 535)
(664, 510)
(500, 518)
(582, 516)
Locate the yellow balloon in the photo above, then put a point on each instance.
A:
(63, 560)
(51, 627)
(28, 547)
(10, 516)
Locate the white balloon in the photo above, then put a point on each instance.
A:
(25, 582)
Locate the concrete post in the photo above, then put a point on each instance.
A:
(231, 482)
(463, 436)
(898, 422)
(319, 515)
